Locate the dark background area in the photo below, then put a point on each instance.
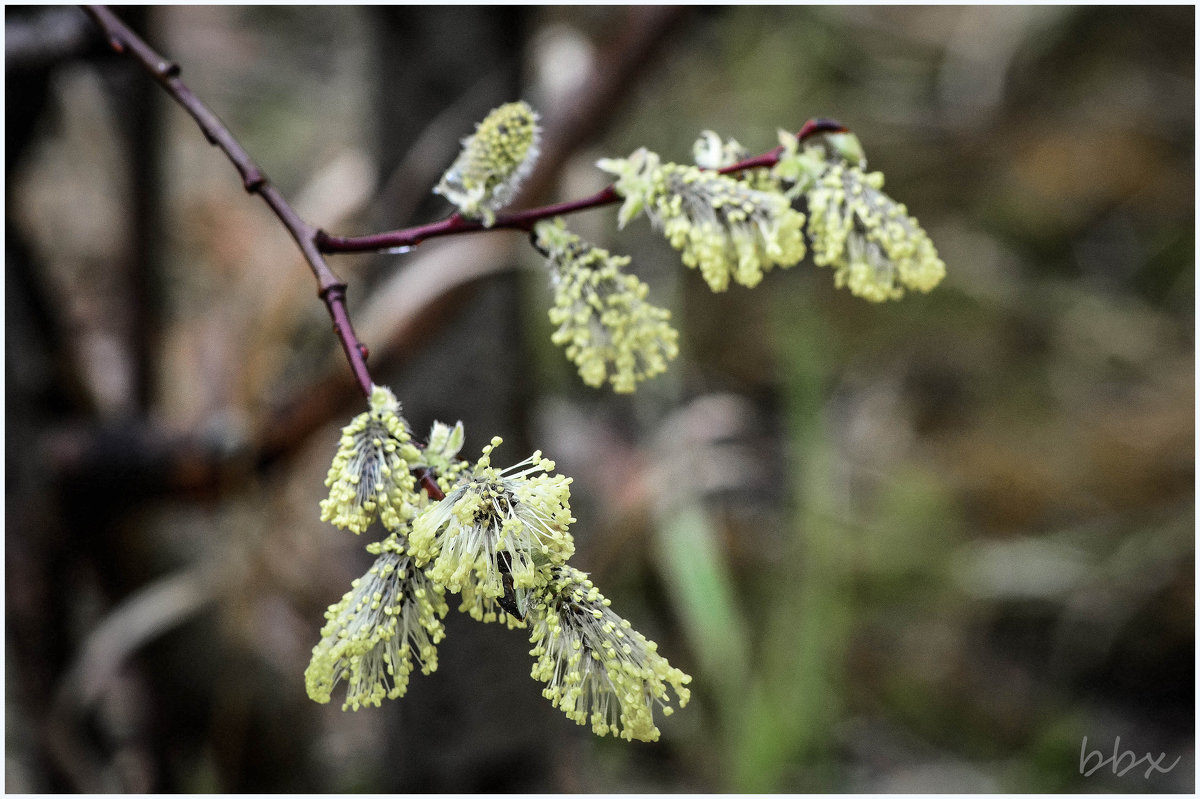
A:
(924, 546)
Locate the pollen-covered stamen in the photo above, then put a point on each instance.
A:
(509, 601)
(597, 669)
(725, 228)
(490, 609)
(369, 476)
(608, 329)
(387, 624)
(877, 249)
(720, 224)
(496, 527)
(493, 162)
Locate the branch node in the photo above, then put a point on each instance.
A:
(332, 292)
(254, 180)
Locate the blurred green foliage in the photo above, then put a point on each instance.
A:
(968, 474)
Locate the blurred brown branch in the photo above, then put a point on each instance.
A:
(43, 39)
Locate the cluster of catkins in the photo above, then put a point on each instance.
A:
(731, 227)
(499, 537)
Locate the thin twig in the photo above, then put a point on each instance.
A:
(331, 288)
(525, 220)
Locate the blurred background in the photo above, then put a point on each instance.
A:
(944, 544)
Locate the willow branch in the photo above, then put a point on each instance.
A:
(457, 223)
(312, 241)
(330, 287)
(525, 220)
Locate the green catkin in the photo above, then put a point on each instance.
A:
(603, 320)
(493, 162)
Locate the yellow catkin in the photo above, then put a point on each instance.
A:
(603, 321)
(597, 669)
(875, 247)
(721, 226)
(496, 526)
(388, 623)
(369, 477)
(493, 162)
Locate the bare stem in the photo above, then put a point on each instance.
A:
(330, 287)
(525, 220)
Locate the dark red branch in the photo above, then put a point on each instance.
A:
(330, 287)
(812, 127)
(425, 480)
(456, 223)
(525, 220)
